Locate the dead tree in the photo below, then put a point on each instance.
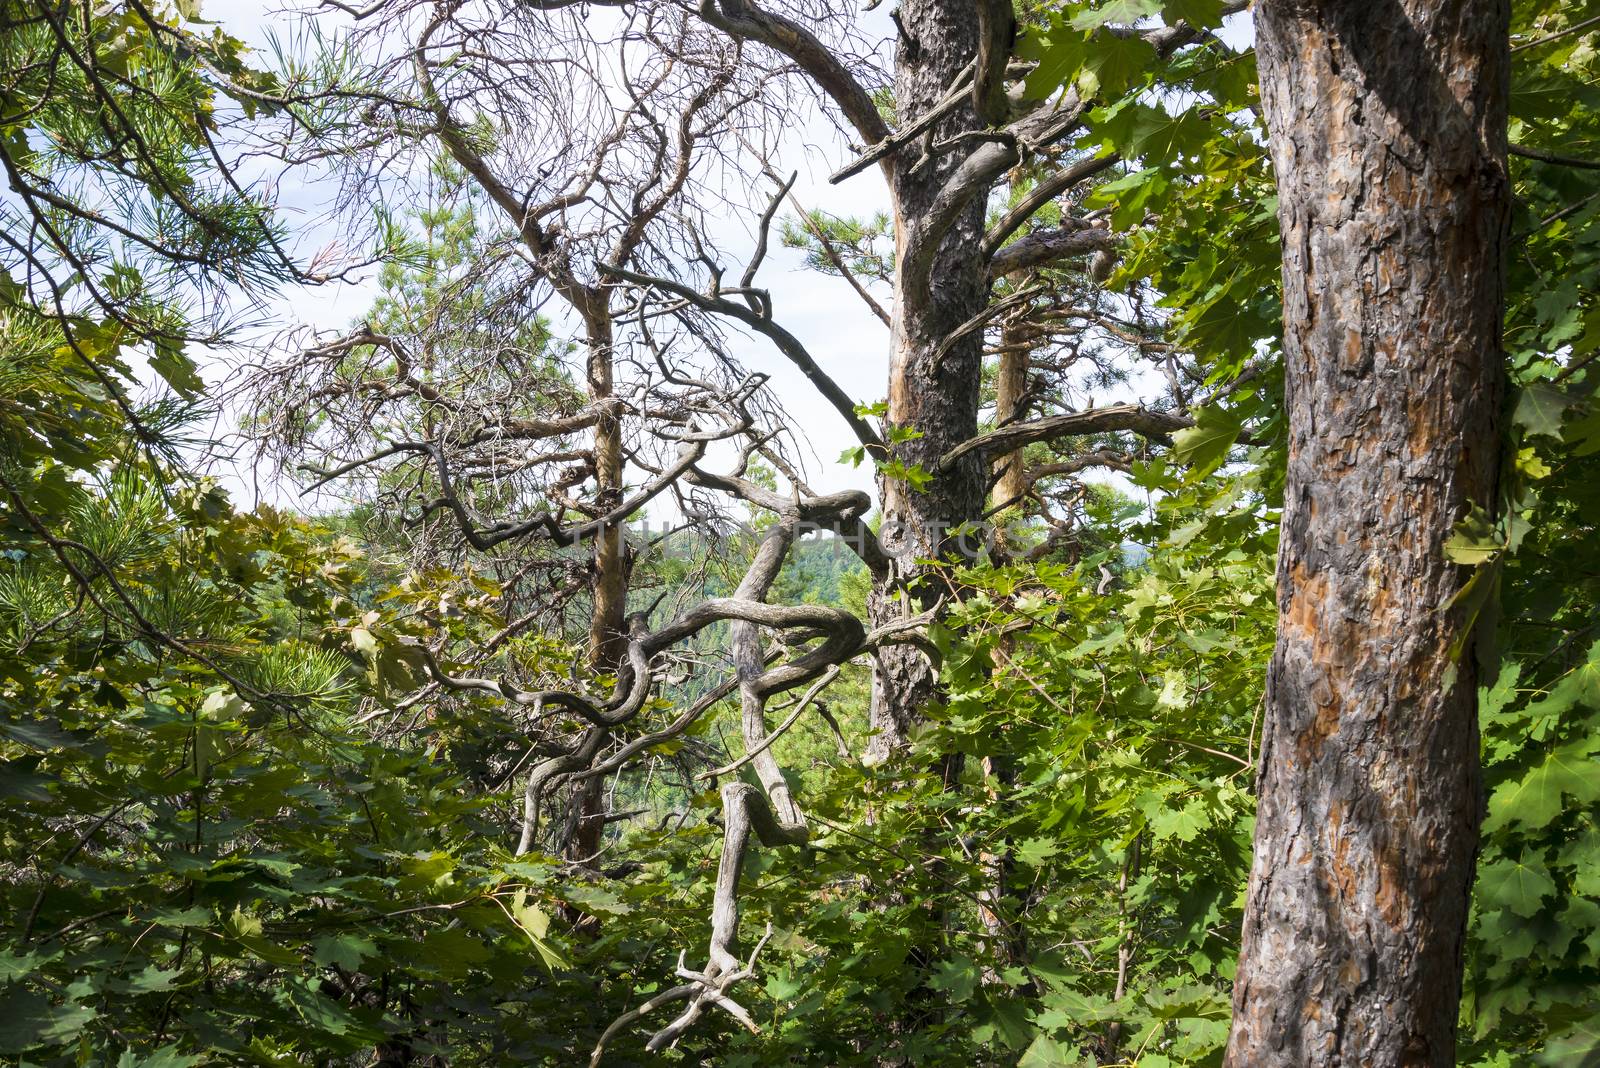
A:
(962, 124)
(577, 148)
(597, 141)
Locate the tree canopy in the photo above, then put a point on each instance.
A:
(567, 701)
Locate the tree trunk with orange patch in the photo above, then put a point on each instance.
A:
(1388, 127)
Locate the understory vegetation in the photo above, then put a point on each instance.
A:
(572, 719)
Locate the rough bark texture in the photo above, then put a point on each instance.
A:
(607, 642)
(934, 376)
(1010, 389)
(1387, 122)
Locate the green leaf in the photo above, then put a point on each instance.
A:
(1206, 444)
(1035, 851)
(365, 642)
(1113, 64)
(595, 899)
(1201, 14)
(1536, 799)
(1583, 432)
(1512, 885)
(1578, 1045)
(166, 1057)
(29, 1020)
(169, 361)
(1174, 691)
(1152, 135)
(535, 923)
(1540, 408)
(1120, 12)
(347, 951)
(246, 929)
(1046, 1052)
(1006, 1024)
(957, 977)
(13, 968)
(1059, 51)
(915, 474)
(223, 705)
(18, 779)
(1584, 857)
(1229, 319)
(194, 916)
(1474, 540)
(325, 1014)
(1492, 700)
(452, 950)
(1066, 1007)
(1580, 685)
(153, 980)
(1184, 823)
(1129, 196)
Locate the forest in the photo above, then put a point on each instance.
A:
(816, 532)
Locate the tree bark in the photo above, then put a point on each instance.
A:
(934, 376)
(1388, 128)
(607, 641)
(1010, 390)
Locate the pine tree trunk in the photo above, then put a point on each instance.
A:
(607, 644)
(607, 641)
(935, 374)
(933, 377)
(1010, 391)
(1387, 122)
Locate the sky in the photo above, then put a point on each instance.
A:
(844, 337)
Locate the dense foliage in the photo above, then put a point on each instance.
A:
(216, 846)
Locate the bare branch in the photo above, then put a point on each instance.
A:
(1047, 246)
(740, 18)
(1140, 420)
(786, 342)
(1046, 190)
(789, 721)
(952, 100)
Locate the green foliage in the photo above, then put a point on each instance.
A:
(110, 123)
(864, 247)
(1197, 203)
(1102, 736)
(208, 857)
(1534, 952)
(237, 829)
